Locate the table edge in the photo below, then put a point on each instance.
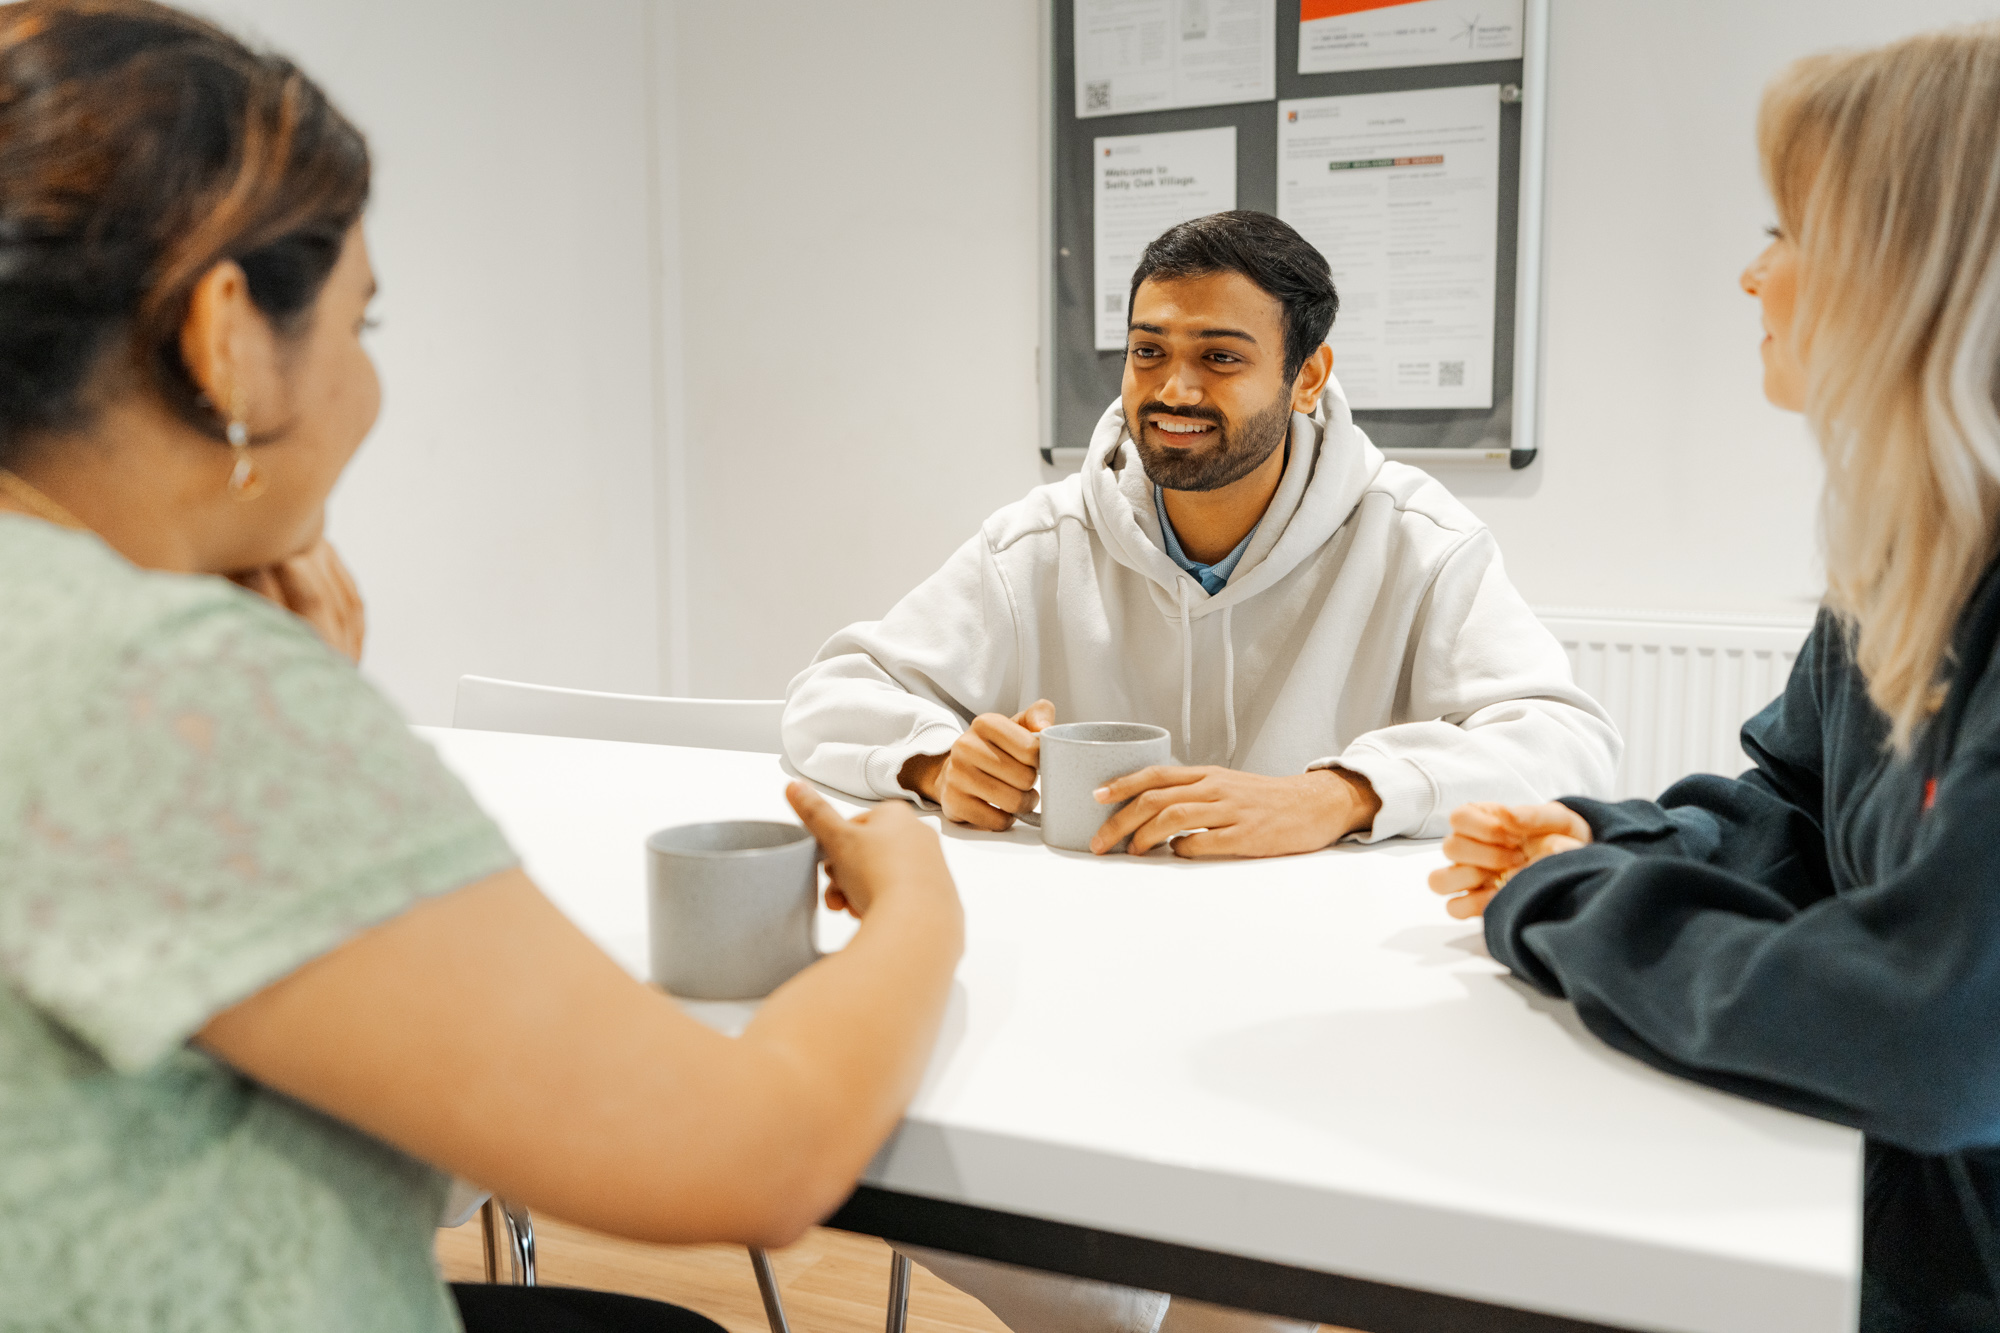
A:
(1182, 1270)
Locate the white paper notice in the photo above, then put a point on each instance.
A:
(1153, 55)
(1401, 193)
(1145, 184)
(1339, 35)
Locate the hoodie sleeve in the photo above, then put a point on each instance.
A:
(1764, 826)
(1703, 936)
(1495, 714)
(880, 692)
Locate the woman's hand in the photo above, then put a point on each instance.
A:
(1489, 843)
(882, 851)
(316, 587)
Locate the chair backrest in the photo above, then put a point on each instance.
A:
(484, 704)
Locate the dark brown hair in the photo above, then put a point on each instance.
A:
(1261, 248)
(140, 147)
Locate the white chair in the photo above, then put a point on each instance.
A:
(485, 704)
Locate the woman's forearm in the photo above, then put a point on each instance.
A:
(847, 1042)
(483, 1033)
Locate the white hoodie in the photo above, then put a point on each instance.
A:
(1369, 625)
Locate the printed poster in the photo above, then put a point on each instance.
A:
(1144, 184)
(1401, 193)
(1156, 55)
(1337, 35)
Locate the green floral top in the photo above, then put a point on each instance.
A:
(196, 797)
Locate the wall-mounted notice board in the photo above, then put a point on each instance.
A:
(1404, 138)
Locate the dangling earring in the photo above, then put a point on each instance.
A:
(245, 482)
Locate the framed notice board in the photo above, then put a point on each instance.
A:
(1404, 138)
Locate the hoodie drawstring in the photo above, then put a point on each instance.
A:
(1187, 675)
(1187, 681)
(1228, 690)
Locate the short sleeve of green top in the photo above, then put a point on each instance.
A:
(196, 798)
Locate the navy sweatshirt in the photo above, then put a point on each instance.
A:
(1823, 934)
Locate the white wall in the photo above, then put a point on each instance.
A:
(711, 327)
(1668, 483)
(501, 519)
(858, 214)
(857, 230)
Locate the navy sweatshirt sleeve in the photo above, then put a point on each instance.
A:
(1703, 934)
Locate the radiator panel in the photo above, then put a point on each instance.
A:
(1679, 691)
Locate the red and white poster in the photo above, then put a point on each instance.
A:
(1337, 35)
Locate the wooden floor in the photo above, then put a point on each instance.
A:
(832, 1281)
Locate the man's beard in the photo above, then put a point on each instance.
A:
(1239, 448)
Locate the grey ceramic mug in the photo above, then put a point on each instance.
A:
(1080, 757)
(730, 907)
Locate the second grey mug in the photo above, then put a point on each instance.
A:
(730, 907)
(1080, 757)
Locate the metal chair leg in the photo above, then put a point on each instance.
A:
(489, 1234)
(767, 1287)
(899, 1291)
(495, 1216)
(521, 1231)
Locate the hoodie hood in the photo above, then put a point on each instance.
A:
(1332, 464)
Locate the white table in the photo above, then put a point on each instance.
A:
(1292, 1084)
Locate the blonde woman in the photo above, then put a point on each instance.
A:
(1823, 933)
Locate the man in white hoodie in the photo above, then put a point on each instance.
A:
(1329, 636)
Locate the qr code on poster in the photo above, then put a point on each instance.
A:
(1451, 374)
(1113, 303)
(1097, 96)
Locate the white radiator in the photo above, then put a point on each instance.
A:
(1678, 690)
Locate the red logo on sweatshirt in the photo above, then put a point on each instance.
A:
(1930, 794)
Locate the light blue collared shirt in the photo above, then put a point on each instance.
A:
(1212, 578)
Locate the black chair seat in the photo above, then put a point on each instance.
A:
(491, 1309)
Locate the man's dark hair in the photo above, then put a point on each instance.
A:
(1264, 250)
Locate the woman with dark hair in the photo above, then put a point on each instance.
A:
(262, 953)
(1823, 932)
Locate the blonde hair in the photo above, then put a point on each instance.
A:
(1885, 167)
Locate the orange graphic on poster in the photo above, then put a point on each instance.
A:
(1329, 9)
